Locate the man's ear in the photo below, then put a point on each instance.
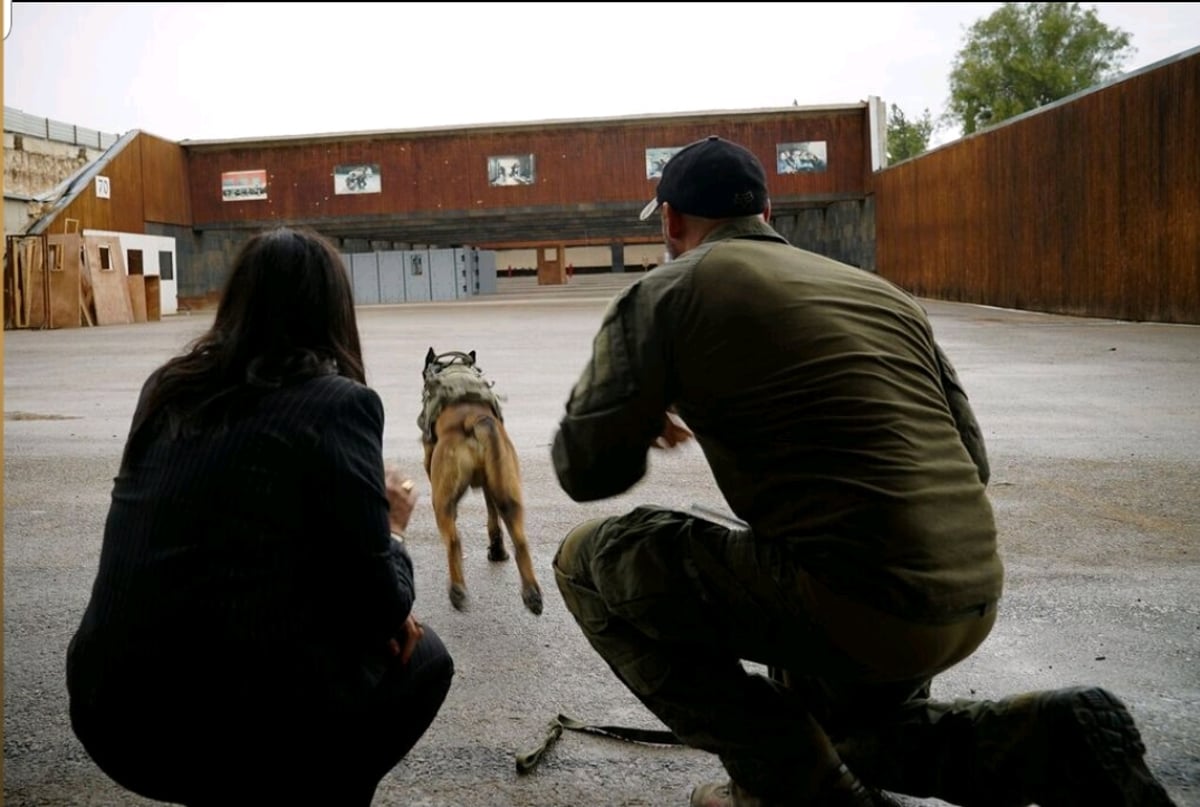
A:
(674, 223)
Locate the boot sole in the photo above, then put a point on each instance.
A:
(1114, 774)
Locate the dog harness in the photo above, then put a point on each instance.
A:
(453, 377)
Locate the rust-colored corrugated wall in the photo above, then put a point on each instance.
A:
(1088, 207)
(591, 164)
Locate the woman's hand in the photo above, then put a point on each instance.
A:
(412, 634)
(402, 498)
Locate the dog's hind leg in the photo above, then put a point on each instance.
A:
(505, 496)
(502, 491)
(448, 490)
(496, 550)
(513, 513)
(428, 461)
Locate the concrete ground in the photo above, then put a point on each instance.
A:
(1093, 428)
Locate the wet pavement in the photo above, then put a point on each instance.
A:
(1093, 428)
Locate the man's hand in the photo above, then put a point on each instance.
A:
(402, 498)
(674, 432)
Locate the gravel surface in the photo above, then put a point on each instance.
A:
(1093, 428)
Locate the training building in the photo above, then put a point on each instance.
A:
(421, 214)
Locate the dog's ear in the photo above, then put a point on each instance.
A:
(472, 355)
(430, 357)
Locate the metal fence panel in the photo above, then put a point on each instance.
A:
(23, 123)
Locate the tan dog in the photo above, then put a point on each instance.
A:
(467, 446)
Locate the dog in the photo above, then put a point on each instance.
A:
(466, 446)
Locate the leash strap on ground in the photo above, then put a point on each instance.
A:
(528, 760)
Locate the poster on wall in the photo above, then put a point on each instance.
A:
(510, 169)
(799, 158)
(241, 186)
(657, 158)
(362, 178)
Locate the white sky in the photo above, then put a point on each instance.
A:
(201, 71)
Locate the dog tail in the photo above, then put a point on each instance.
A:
(480, 422)
(483, 428)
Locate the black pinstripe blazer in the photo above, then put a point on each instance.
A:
(249, 565)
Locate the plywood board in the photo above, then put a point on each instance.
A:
(20, 257)
(104, 263)
(137, 296)
(62, 293)
(33, 263)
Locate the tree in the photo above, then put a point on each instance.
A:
(905, 139)
(1026, 55)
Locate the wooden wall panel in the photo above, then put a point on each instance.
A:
(124, 210)
(167, 194)
(1089, 207)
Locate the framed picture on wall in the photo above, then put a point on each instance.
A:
(510, 169)
(363, 178)
(241, 186)
(656, 159)
(798, 158)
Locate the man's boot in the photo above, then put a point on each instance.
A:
(1072, 747)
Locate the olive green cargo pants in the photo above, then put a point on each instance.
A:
(674, 603)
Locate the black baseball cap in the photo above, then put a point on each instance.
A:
(712, 178)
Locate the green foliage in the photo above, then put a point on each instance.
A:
(907, 139)
(1026, 55)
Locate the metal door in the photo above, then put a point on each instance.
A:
(364, 269)
(391, 277)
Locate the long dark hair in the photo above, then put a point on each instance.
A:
(286, 315)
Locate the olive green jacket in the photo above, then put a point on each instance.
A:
(827, 412)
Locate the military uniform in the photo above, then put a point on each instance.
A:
(836, 428)
(865, 561)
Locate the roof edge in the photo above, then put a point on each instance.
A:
(69, 189)
(530, 124)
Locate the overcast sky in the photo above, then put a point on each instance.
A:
(204, 71)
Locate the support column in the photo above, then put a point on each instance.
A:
(618, 256)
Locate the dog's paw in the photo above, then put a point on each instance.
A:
(458, 597)
(532, 595)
